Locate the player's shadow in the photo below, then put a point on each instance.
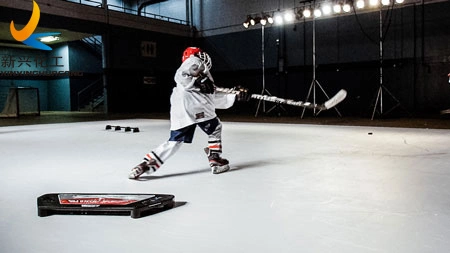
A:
(248, 165)
(145, 178)
(160, 210)
(234, 167)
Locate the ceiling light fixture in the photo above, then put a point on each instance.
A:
(49, 38)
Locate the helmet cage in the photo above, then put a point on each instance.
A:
(204, 57)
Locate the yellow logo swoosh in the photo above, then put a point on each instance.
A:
(26, 32)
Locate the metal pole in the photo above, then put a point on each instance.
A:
(312, 87)
(263, 73)
(314, 61)
(314, 80)
(380, 89)
(381, 61)
(313, 83)
(262, 61)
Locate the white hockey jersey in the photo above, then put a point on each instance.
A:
(190, 106)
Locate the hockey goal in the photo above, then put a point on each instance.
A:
(21, 101)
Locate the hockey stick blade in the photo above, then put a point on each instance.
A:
(445, 111)
(335, 100)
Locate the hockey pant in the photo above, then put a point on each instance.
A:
(213, 128)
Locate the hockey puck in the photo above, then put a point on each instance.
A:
(370, 133)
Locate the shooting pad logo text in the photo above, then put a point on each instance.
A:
(26, 35)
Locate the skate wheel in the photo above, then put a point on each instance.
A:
(127, 129)
(117, 128)
(220, 169)
(108, 127)
(135, 130)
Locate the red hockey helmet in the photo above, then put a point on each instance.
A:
(190, 51)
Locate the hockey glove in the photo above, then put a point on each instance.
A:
(243, 95)
(205, 85)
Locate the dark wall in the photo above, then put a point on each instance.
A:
(85, 59)
(416, 59)
(127, 68)
(415, 64)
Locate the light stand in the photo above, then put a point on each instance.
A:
(379, 97)
(264, 90)
(314, 82)
(280, 48)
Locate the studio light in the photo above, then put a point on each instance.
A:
(373, 2)
(360, 4)
(263, 21)
(337, 8)
(307, 13)
(289, 16)
(246, 23)
(266, 18)
(346, 7)
(278, 19)
(317, 13)
(326, 9)
(322, 9)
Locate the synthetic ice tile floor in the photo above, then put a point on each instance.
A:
(292, 188)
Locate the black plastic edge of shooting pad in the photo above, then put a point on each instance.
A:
(49, 204)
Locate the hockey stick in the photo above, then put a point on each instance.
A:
(330, 103)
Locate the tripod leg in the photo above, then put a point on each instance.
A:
(328, 97)
(380, 98)
(307, 97)
(257, 108)
(396, 100)
(376, 102)
(263, 102)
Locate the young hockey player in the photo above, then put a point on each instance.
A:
(193, 103)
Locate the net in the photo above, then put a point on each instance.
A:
(21, 101)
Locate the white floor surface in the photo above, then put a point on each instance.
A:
(292, 188)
